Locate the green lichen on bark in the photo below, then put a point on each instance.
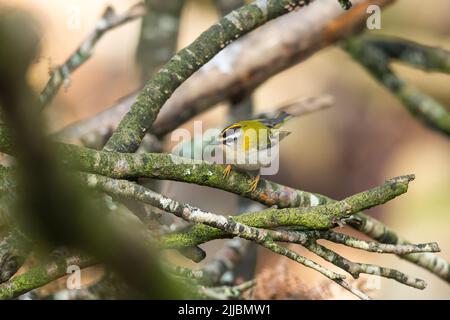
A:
(14, 249)
(7, 196)
(40, 275)
(169, 167)
(320, 217)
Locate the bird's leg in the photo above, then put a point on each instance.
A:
(254, 183)
(227, 171)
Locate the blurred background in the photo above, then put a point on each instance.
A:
(364, 139)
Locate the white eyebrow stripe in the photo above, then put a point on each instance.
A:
(231, 135)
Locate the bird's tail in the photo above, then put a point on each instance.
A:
(279, 121)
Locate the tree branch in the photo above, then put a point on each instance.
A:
(135, 124)
(355, 269)
(371, 55)
(370, 246)
(109, 21)
(41, 275)
(240, 66)
(162, 166)
(378, 231)
(233, 226)
(158, 36)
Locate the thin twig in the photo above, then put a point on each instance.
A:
(371, 246)
(109, 21)
(355, 269)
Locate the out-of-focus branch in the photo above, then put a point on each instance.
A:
(225, 259)
(371, 54)
(135, 124)
(241, 66)
(108, 21)
(226, 6)
(430, 59)
(51, 190)
(14, 248)
(159, 34)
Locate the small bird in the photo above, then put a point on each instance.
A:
(252, 144)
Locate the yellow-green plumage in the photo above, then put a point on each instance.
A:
(249, 138)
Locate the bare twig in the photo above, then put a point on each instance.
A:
(109, 21)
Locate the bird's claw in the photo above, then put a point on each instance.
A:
(227, 171)
(254, 184)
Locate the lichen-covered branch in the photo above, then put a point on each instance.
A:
(318, 217)
(40, 275)
(225, 292)
(337, 278)
(269, 193)
(14, 249)
(371, 246)
(355, 269)
(378, 231)
(109, 21)
(372, 56)
(158, 90)
(229, 226)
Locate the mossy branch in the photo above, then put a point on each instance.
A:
(163, 166)
(375, 54)
(319, 217)
(249, 226)
(41, 275)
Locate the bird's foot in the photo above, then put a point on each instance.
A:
(227, 171)
(254, 183)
